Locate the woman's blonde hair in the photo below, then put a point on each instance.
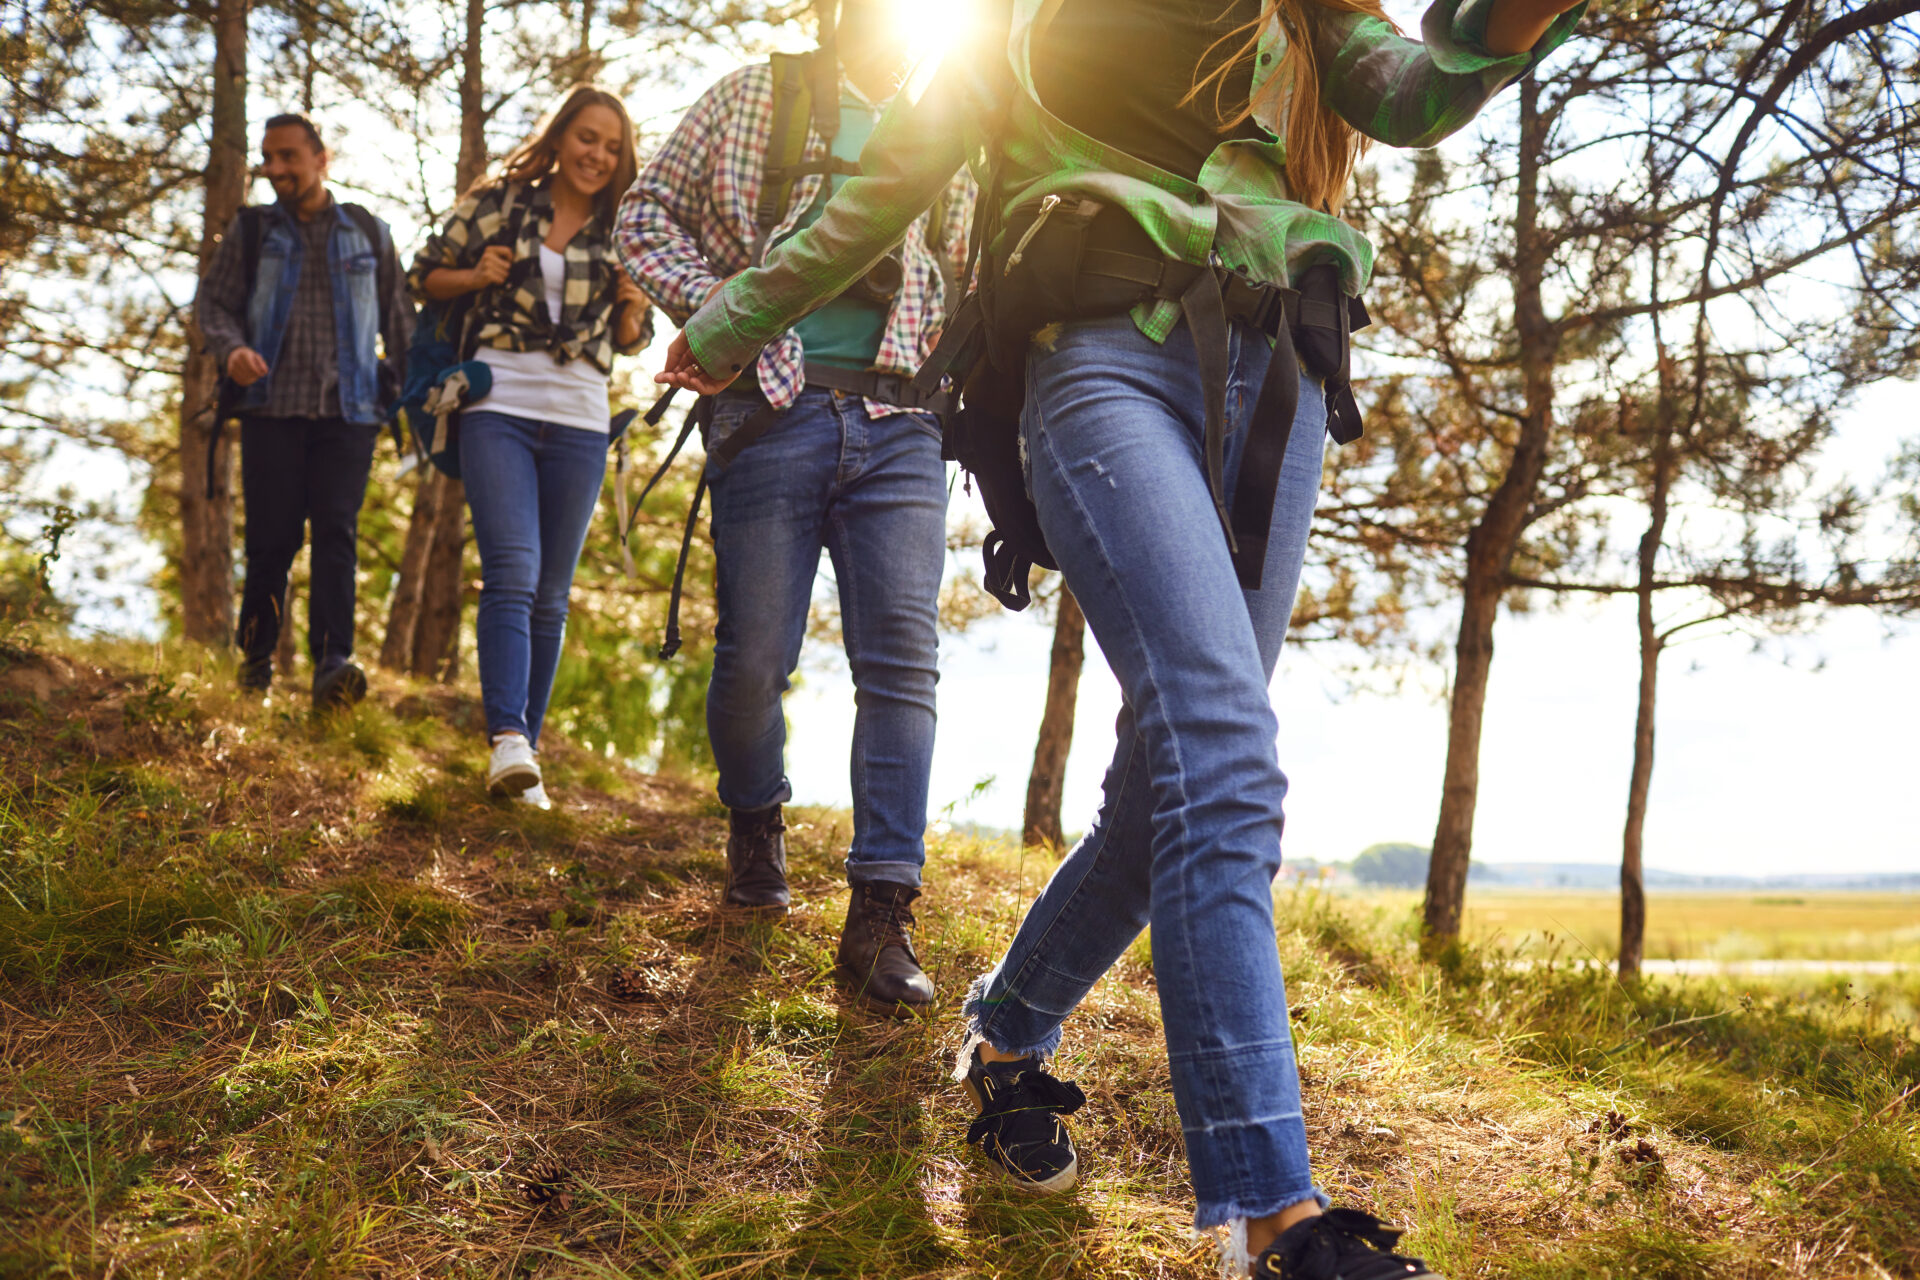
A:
(534, 159)
(1321, 147)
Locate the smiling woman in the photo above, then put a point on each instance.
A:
(550, 309)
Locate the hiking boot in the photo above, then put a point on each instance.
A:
(876, 954)
(256, 675)
(757, 858)
(512, 768)
(1340, 1244)
(1019, 1126)
(340, 686)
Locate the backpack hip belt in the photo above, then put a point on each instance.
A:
(1059, 276)
(886, 388)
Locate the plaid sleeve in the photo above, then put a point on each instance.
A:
(1413, 93)
(913, 154)
(961, 198)
(458, 243)
(219, 305)
(657, 231)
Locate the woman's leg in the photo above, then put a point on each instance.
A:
(1096, 904)
(571, 466)
(497, 464)
(1114, 441)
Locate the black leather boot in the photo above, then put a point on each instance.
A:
(757, 859)
(876, 956)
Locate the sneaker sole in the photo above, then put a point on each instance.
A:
(1058, 1184)
(513, 781)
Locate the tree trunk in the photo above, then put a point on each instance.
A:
(436, 638)
(206, 512)
(1633, 894)
(1491, 545)
(423, 623)
(1045, 783)
(403, 614)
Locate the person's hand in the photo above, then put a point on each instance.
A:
(1515, 26)
(246, 366)
(684, 371)
(493, 266)
(628, 294)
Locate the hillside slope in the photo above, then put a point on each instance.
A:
(286, 997)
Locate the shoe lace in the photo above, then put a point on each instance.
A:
(894, 921)
(1031, 1091)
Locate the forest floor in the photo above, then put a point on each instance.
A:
(286, 996)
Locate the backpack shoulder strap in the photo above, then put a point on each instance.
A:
(786, 145)
(252, 226)
(376, 233)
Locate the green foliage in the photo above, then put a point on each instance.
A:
(1401, 865)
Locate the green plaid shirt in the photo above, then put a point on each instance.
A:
(1402, 92)
(513, 316)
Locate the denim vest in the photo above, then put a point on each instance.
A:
(353, 266)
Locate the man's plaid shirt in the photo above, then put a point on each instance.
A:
(980, 104)
(688, 224)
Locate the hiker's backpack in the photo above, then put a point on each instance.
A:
(252, 228)
(442, 375)
(1037, 264)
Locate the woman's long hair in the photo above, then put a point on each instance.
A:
(1321, 147)
(534, 159)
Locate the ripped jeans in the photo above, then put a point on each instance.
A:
(1187, 838)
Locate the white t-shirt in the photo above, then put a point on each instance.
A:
(532, 384)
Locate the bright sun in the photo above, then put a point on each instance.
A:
(928, 28)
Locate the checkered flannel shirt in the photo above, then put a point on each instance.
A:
(513, 316)
(1403, 92)
(688, 223)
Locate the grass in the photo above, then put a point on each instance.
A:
(291, 998)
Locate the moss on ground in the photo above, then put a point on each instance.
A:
(286, 997)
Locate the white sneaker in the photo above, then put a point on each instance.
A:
(535, 795)
(512, 769)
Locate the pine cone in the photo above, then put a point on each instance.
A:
(630, 984)
(546, 1184)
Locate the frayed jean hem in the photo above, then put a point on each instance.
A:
(975, 1014)
(1208, 1216)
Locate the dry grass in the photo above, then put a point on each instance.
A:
(291, 998)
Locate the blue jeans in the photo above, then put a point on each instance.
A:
(873, 492)
(1187, 838)
(531, 487)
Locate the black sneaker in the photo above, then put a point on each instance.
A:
(1019, 1125)
(1340, 1244)
(343, 686)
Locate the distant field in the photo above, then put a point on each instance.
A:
(1716, 926)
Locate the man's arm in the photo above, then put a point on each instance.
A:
(657, 231)
(220, 302)
(396, 312)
